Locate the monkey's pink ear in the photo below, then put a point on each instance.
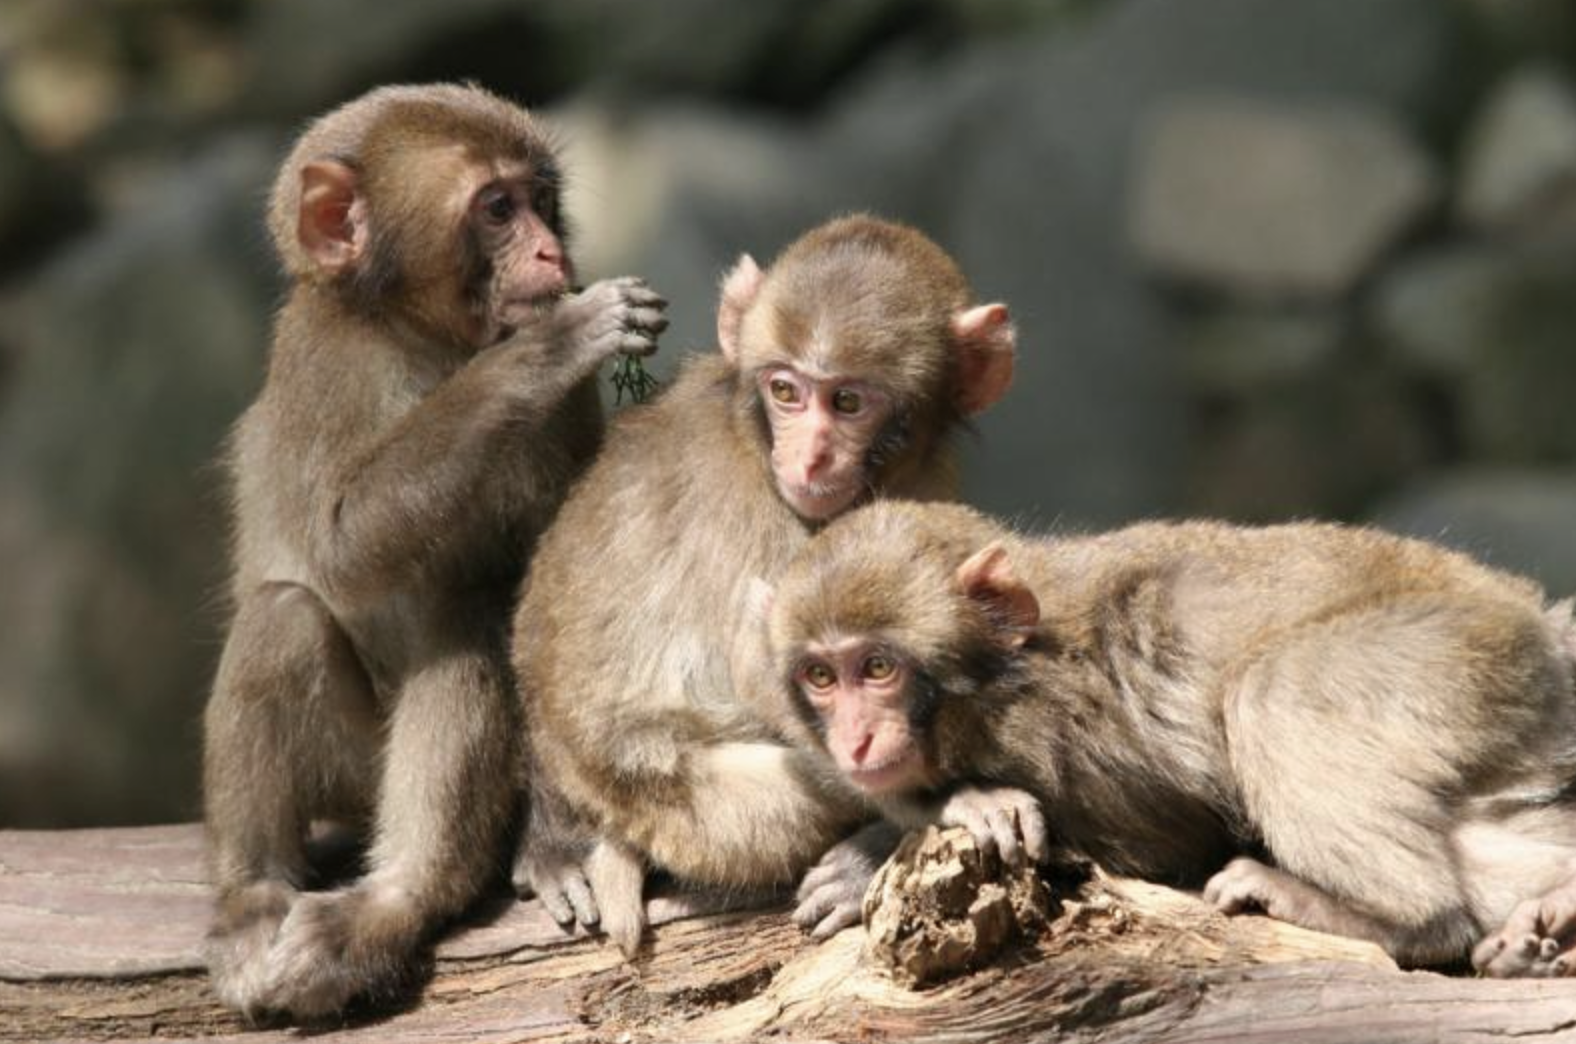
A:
(987, 578)
(330, 225)
(739, 289)
(985, 342)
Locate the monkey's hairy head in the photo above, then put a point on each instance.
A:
(362, 131)
(888, 574)
(867, 297)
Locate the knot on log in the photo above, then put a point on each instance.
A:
(942, 905)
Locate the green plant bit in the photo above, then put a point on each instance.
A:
(629, 375)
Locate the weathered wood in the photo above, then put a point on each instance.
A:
(100, 935)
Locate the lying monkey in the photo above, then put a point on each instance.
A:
(1351, 731)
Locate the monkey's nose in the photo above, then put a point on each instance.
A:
(862, 751)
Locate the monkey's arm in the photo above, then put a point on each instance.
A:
(454, 461)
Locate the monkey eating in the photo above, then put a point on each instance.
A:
(430, 396)
(844, 367)
(1351, 731)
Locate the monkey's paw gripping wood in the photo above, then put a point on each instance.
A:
(101, 934)
(942, 905)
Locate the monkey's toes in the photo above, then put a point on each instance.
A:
(1537, 941)
(1238, 888)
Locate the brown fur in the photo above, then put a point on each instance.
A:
(641, 730)
(1380, 730)
(388, 484)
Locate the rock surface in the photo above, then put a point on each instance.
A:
(1520, 165)
(1274, 201)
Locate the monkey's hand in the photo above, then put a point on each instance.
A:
(556, 875)
(612, 317)
(1002, 819)
(833, 892)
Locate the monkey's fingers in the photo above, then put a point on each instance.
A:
(647, 320)
(1036, 838)
(636, 292)
(827, 904)
(568, 900)
(972, 819)
(1003, 825)
(818, 898)
(843, 915)
(580, 897)
(635, 342)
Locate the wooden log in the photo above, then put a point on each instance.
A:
(100, 937)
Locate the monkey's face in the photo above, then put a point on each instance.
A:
(860, 692)
(888, 632)
(514, 224)
(823, 427)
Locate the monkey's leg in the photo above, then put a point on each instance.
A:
(1246, 885)
(288, 732)
(446, 797)
(752, 815)
(1343, 743)
(745, 815)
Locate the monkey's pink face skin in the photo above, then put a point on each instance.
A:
(530, 265)
(822, 429)
(861, 694)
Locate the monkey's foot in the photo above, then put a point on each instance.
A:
(335, 947)
(558, 879)
(1538, 939)
(832, 894)
(245, 923)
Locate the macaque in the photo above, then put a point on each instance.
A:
(843, 368)
(1348, 730)
(430, 396)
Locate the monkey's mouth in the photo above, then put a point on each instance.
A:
(894, 774)
(819, 502)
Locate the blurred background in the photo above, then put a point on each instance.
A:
(1269, 260)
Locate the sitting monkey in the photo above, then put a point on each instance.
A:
(1351, 731)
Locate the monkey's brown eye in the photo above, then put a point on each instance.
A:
(783, 391)
(879, 667)
(846, 400)
(819, 676)
(498, 205)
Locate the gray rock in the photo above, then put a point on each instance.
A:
(1273, 200)
(1240, 351)
(1318, 447)
(674, 193)
(1519, 169)
(1438, 311)
(1498, 323)
(1521, 520)
(136, 351)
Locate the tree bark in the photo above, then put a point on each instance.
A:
(101, 935)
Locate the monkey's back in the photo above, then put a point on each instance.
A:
(1455, 675)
